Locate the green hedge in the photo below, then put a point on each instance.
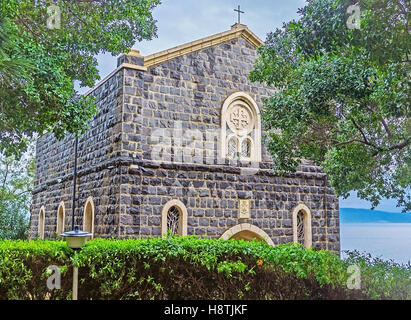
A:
(382, 279)
(174, 268)
(23, 268)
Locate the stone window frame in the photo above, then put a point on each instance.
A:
(41, 222)
(90, 202)
(255, 143)
(183, 217)
(247, 227)
(60, 223)
(308, 239)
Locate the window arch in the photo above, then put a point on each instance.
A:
(247, 232)
(61, 214)
(302, 225)
(240, 128)
(174, 218)
(41, 223)
(88, 216)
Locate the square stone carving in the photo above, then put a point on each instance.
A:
(244, 209)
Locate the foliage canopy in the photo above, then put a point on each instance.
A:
(39, 64)
(343, 96)
(16, 183)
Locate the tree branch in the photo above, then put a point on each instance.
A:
(365, 141)
(346, 142)
(36, 35)
(387, 129)
(401, 145)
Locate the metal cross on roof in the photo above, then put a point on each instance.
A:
(239, 12)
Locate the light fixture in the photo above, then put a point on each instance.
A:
(76, 239)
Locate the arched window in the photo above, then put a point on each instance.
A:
(60, 218)
(174, 218)
(88, 216)
(41, 223)
(302, 225)
(246, 148)
(232, 148)
(240, 128)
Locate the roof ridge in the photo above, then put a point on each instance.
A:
(237, 30)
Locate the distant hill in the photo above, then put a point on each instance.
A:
(353, 215)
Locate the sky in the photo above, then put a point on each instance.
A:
(181, 21)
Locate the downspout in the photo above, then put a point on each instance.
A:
(325, 210)
(73, 204)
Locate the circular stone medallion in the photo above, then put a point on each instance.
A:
(240, 119)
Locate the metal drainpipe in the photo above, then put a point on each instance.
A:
(74, 183)
(325, 211)
(75, 269)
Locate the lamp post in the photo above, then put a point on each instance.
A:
(76, 238)
(73, 203)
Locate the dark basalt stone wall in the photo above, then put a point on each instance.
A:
(130, 187)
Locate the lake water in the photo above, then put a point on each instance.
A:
(385, 240)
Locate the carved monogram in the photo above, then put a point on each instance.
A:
(240, 118)
(244, 209)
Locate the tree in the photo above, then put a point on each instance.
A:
(16, 183)
(343, 95)
(40, 61)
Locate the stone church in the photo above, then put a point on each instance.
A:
(176, 147)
